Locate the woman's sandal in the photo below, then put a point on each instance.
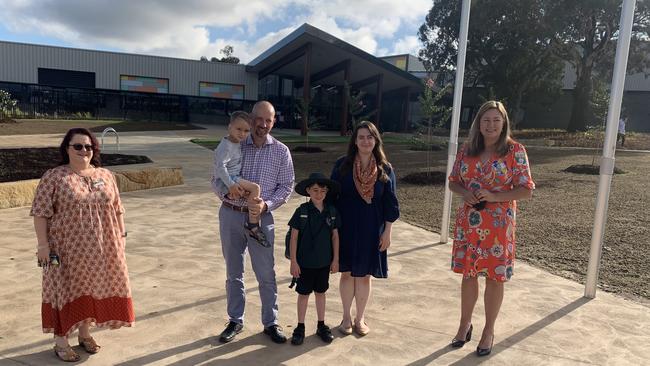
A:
(361, 328)
(89, 344)
(345, 330)
(66, 354)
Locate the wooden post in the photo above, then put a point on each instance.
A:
(406, 109)
(344, 100)
(306, 91)
(378, 98)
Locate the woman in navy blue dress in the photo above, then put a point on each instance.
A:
(368, 207)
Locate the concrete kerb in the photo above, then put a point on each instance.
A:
(178, 275)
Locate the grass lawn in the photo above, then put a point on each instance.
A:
(316, 140)
(554, 228)
(46, 126)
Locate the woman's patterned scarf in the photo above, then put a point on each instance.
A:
(364, 179)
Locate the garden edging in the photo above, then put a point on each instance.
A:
(21, 193)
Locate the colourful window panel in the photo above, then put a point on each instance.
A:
(218, 90)
(399, 61)
(144, 84)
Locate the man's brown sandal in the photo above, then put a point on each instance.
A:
(66, 354)
(89, 344)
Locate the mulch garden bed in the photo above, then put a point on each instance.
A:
(31, 163)
(425, 178)
(589, 169)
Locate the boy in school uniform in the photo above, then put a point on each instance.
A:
(314, 250)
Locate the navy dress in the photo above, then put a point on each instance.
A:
(363, 223)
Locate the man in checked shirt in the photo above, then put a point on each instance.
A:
(267, 162)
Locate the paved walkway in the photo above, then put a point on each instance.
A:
(177, 275)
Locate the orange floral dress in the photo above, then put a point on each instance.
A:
(484, 240)
(92, 282)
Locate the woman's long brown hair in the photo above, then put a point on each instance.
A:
(378, 152)
(475, 143)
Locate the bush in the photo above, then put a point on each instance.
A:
(7, 104)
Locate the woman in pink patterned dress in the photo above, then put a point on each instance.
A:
(78, 217)
(491, 172)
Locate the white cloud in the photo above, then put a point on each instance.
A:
(408, 44)
(182, 29)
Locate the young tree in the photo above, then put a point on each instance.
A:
(304, 108)
(356, 105)
(430, 108)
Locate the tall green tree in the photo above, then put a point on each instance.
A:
(588, 30)
(514, 47)
(509, 50)
(228, 57)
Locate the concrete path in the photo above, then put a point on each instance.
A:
(177, 276)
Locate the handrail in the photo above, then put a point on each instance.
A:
(117, 136)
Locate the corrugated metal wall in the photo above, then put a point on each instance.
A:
(20, 62)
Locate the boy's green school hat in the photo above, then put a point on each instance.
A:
(320, 179)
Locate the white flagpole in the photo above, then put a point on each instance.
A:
(455, 116)
(609, 147)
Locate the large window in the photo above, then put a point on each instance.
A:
(66, 78)
(144, 84)
(220, 90)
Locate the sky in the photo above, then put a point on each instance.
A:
(194, 28)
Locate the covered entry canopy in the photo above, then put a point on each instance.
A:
(311, 57)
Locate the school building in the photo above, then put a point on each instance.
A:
(309, 73)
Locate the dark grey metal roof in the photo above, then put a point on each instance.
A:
(328, 50)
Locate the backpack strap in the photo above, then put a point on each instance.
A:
(304, 216)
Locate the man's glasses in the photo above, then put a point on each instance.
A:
(79, 147)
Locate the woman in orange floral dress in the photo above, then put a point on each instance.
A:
(78, 217)
(491, 172)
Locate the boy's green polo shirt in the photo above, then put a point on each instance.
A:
(315, 242)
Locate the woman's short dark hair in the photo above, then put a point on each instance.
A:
(63, 149)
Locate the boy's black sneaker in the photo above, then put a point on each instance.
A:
(325, 334)
(298, 336)
(255, 232)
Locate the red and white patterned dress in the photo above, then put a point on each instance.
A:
(484, 240)
(92, 281)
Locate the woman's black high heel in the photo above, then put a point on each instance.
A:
(457, 343)
(484, 351)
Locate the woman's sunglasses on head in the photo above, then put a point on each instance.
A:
(79, 147)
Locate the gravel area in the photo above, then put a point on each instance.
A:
(554, 228)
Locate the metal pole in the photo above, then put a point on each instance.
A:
(609, 147)
(455, 116)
